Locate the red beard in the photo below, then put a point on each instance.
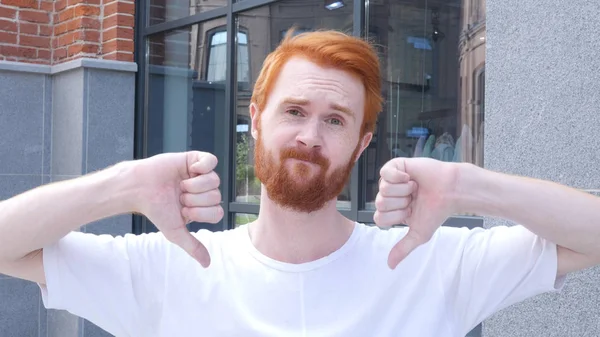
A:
(294, 188)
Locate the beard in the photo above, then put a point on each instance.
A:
(296, 188)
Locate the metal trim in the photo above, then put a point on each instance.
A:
(187, 21)
(240, 207)
(358, 14)
(455, 221)
(250, 4)
(139, 56)
(350, 214)
(228, 185)
(355, 175)
(464, 221)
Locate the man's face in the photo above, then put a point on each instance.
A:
(308, 136)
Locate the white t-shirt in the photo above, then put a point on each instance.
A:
(145, 286)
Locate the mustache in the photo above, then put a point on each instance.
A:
(313, 156)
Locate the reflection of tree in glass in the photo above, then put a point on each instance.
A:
(246, 183)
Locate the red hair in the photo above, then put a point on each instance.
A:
(326, 48)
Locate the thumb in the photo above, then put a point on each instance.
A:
(404, 247)
(184, 239)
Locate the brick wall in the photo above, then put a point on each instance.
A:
(51, 32)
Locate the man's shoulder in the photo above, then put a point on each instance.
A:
(444, 236)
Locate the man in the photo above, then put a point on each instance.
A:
(301, 269)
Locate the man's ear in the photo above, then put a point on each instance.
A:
(364, 142)
(254, 113)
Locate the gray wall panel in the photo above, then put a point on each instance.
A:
(110, 135)
(542, 101)
(67, 123)
(47, 127)
(55, 126)
(21, 122)
(542, 85)
(19, 307)
(61, 323)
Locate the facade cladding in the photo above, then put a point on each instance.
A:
(87, 83)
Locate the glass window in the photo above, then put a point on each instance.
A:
(217, 56)
(264, 27)
(184, 108)
(432, 60)
(243, 219)
(161, 11)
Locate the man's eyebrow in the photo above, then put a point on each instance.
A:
(342, 109)
(294, 100)
(303, 101)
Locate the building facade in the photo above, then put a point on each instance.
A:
(87, 83)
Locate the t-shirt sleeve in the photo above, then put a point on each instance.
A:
(114, 282)
(493, 269)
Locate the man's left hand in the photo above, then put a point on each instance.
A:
(418, 192)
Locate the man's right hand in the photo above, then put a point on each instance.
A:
(178, 188)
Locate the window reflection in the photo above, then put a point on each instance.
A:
(432, 55)
(160, 11)
(185, 100)
(185, 105)
(263, 29)
(217, 56)
(244, 219)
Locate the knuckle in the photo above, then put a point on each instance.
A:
(380, 202)
(213, 179)
(377, 217)
(403, 202)
(380, 219)
(214, 197)
(216, 214)
(185, 199)
(384, 187)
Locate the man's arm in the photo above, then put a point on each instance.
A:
(562, 215)
(42, 216)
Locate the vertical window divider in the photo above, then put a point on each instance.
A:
(228, 173)
(355, 190)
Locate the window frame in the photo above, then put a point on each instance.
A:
(357, 210)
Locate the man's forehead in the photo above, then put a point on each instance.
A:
(300, 67)
(304, 80)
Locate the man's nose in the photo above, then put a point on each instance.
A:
(309, 136)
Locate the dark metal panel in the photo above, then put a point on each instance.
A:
(186, 21)
(225, 159)
(355, 190)
(455, 221)
(139, 56)
(348, 214)
(249, 4)
(365, 216)
(358, 14)
(464, 221)
(240, 207)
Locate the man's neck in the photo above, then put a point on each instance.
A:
(293, 237)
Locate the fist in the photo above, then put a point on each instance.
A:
(178, 188)
(200, 196)
(393, 202)
(416, 192)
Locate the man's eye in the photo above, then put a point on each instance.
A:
(335, 121)
(294, 112)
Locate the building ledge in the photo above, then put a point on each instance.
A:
(74, 64)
